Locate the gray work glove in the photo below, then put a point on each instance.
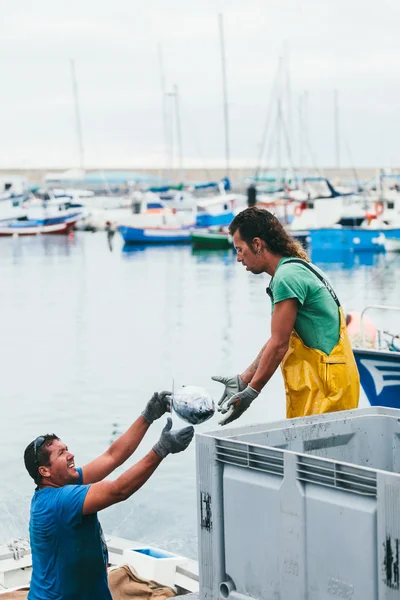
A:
(172, 442)
(157, 406)
(233, 384)
(238, 404)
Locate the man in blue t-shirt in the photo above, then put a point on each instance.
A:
(69, 555)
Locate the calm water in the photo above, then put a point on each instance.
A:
(87, 335)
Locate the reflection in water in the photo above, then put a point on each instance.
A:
(345, 258)
(213, 256)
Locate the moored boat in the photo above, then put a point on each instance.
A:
(211, 239)
(355, 239)
(161, 234)
(378, 361)
(26, 226)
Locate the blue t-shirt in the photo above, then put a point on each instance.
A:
(69, 555)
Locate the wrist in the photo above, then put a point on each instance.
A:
(256, 385)
(160, 450)
(145, 415)
(160, 454)
(245, 379)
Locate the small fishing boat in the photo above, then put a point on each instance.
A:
(156, 224)
(378, 362)
(160, 234)
(211, 239)
(218, 210)
(63, 224)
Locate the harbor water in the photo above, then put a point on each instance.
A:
(87, 335)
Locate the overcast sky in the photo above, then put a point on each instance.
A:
(349, 45)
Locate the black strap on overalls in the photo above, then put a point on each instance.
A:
(306, 264)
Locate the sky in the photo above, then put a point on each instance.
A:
(311, 47)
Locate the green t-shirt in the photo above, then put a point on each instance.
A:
(318, 321)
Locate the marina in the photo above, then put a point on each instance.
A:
(200, 302)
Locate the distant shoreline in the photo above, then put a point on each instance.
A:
(204, 174)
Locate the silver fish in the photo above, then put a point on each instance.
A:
(193, 404)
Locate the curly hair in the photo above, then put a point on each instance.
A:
(257, 222)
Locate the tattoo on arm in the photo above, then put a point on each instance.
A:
(249, 372)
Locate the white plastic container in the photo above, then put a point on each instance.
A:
(153, 563)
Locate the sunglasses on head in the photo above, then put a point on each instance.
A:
(37, 444)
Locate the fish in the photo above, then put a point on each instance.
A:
(193, 404)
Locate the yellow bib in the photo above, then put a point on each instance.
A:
(316, 382)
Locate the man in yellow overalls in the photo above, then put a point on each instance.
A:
(308, 328)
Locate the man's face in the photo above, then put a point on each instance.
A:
(248, 256)
(61, 470)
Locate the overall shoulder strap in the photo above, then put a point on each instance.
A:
(324, 281)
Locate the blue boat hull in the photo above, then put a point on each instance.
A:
(355, 239)
(379, 376)
(209, 220)
(133, 235)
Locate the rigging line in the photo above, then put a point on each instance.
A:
(308, 145)
(272, 143)
(267, 123)
(196, 143)
(288, 146)
(353, 168)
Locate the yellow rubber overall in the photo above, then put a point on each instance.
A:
(316, 382)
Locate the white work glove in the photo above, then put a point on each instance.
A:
(238, 404)
(233, 384)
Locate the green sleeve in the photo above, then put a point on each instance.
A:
(290, 282)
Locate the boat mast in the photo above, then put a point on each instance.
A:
(225, 95)
(179, 134)
(336, 126)
(164, 107)
(77, 115)
(279, 125)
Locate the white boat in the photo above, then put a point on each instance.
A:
(151, 563)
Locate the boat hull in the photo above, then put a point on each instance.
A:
(212, 220)
(211, 241)
(379, 376)
(347, 238)
(155, 235)
(51, 229)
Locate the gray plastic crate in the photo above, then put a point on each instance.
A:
(302, 509)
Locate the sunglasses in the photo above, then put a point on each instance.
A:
(37, 444)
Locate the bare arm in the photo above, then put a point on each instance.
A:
(269, 358)
(117, 453)
(105, 493)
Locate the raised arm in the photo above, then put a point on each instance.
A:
(105, 493)
(126, 444)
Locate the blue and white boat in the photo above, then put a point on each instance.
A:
(217, 210)
(379, 366)
(161, 234)
(38, 219)
(156, 224)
